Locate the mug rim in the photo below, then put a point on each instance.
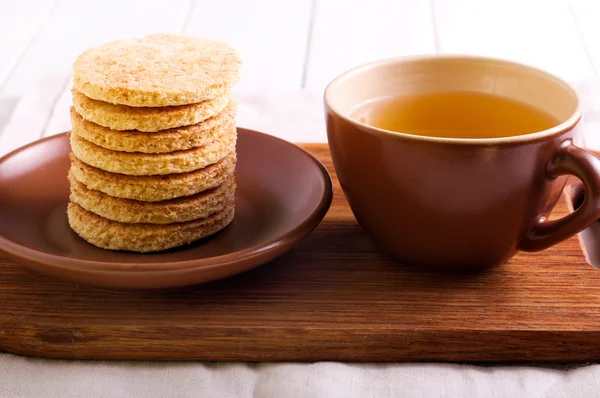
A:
(553, 131)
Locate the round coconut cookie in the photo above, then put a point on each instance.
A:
(154, 188)
(188, 208)
(143, 238)
(164, 141)
(146, 119)
(157, 70)
(138, 164)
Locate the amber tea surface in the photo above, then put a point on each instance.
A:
(454, 115)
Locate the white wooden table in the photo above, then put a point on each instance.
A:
(291, 49)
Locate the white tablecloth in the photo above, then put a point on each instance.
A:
(296, 117)
(23, 377)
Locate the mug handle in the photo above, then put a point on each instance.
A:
(568, 159)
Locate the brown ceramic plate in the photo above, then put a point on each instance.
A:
(283, 194)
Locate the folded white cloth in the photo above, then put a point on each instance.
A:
(25, 377)
(297, 117)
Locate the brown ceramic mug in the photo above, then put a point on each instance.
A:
(455, 203)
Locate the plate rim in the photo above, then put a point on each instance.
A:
(290, 238)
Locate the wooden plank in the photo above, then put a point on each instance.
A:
(586, 14)
(73, 26)
(542, 34)
(347, 33)
(33, 112)
(60, 119)
(270, 35)
(293, 116)
(19, 23)
(332, 297)
(589, 92)
(7, 106)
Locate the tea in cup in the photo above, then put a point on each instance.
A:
(456, 162)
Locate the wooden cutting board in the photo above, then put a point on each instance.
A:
(333, 297)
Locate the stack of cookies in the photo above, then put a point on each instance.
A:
(153, 142)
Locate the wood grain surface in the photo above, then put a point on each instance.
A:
(333, 297)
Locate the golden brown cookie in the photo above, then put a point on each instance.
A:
(157, 70)
(176, 139)
(147, 119)
(183, 209)
(154, 164)
(154, 188)
(143, 238)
